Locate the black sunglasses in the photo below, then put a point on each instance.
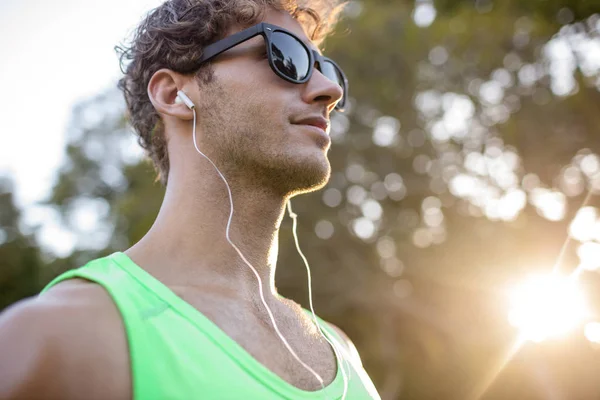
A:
(289, 57)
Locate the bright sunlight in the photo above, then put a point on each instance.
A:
(547, 306)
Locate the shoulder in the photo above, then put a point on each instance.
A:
(67, 343)
(352, 351)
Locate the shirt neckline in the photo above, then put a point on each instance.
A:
(240, 355)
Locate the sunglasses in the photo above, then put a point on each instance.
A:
(289, 57)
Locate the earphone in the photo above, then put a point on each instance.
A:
(183, 98)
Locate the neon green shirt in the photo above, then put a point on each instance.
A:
(178, 353)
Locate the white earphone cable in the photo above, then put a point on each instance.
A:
(345, 375)
(285, 342)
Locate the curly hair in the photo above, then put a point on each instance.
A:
(174, 35)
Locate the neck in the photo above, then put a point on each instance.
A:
(186, 248)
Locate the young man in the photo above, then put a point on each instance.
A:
(180, 315)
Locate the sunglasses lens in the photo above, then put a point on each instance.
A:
(330, 71)
(333, 73)
(289, 56)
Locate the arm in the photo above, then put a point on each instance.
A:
(67, 344)
(26, 356)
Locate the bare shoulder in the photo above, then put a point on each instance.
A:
(352, 351)
(68, 343)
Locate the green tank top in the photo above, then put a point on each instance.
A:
(178, 353)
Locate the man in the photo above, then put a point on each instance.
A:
(180, 315)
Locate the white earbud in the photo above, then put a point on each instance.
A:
(182, 97)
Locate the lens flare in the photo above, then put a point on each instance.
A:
(592, 332)
(545, 307)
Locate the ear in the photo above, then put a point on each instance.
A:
(162, 91)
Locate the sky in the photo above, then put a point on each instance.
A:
(54, 53)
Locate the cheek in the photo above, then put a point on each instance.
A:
(257, 85)
(258, 104)
(261, 108)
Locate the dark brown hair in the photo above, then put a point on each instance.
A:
(174, 35)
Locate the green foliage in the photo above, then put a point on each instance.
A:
(20, 263)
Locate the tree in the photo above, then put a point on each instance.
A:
(20, 261)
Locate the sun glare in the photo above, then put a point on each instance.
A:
(592, 332)
(545, 307)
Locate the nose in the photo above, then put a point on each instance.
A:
(320, 89)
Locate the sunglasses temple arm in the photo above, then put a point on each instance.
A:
(223, 45)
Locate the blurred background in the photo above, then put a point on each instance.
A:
(458, 240)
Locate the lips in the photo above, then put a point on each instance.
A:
(318, 122)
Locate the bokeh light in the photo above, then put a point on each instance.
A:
(589, 254)
(324, 229)
(424, 14)
(583, 225)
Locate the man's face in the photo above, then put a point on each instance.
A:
(248, 114)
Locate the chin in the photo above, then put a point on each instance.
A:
(313, 178)
(302, 174)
